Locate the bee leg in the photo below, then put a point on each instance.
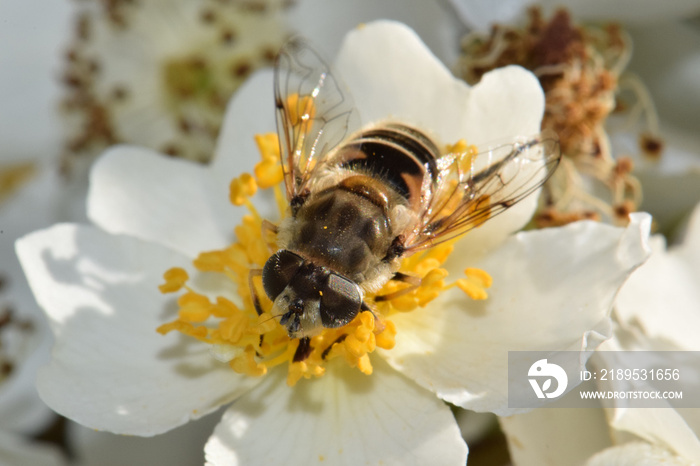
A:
(269, 227)
(303, 350)
(326, 351)
(412, 281)
(253, 291)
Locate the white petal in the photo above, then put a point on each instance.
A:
(662, 426)
(18, 451)
(169, 201)
(343, 418)
(183, 446)
(110, 369)
(555, 436)
(662, 295)
(393, 75)
(636, 454)
(552, 290)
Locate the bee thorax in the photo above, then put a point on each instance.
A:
(343, 231)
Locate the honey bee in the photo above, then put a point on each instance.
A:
(360, 204)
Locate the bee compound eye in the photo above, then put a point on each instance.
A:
(340, 301)
(279, 270)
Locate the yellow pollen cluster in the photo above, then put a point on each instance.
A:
(252, 344)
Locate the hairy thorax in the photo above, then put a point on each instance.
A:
(347, 228)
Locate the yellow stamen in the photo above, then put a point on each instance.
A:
(194, 307)
(211, 261)
(387, 338)
(246, 364)
(268, 171)
(242, 188)
(475, 284)
(175, 279)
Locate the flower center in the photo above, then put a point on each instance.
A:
(580, 70)
(189, 78)
(252, 343)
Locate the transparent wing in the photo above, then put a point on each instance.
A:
(314, 113)
(468, 189)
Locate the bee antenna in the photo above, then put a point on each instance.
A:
(272, 316)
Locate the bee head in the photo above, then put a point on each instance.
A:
(308, 297)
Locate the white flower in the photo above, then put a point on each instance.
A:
(98, 284)
(656, 310)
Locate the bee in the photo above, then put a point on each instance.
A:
(361, 203)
